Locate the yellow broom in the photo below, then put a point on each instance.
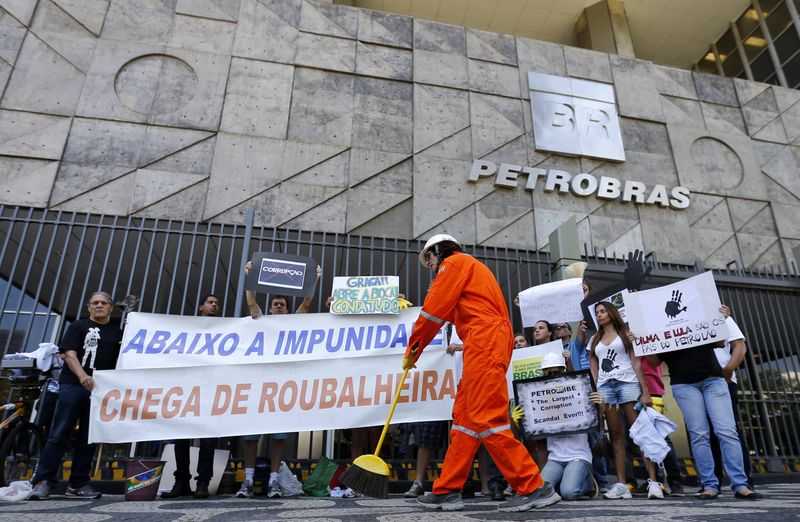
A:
(369, 474)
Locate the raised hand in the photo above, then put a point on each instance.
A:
(635, 270)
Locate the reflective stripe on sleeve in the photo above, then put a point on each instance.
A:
(430, 317)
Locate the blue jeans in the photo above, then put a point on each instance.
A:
(72, 407)
(699, 402)
(573, 479)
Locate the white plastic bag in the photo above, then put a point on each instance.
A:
(290, 486)
(16, 491)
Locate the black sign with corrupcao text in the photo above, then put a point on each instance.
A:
(285, 274)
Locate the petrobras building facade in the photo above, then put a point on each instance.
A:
(338, 119)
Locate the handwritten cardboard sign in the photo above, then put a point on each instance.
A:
(557, 405)
(365, 295)
(557, 302)
(677, 316)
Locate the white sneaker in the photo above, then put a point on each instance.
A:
(509, 491)
(274, 490)
(618, 490)
(654, 490)
(246, 491)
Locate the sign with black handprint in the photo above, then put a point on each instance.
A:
(690, 316)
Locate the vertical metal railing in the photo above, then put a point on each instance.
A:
(51, 260)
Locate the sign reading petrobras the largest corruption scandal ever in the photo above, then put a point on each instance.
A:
(577, 118)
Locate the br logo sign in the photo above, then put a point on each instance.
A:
(575, 117)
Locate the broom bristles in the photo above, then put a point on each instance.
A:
(366, 482)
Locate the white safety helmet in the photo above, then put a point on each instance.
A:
(435, 240)
(553, 360)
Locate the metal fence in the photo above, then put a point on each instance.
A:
(51, 261)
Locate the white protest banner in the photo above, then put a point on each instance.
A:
(228, 400)
(556, 302)
(557, 405)
(526, 362)
(161, 341)
(365, 295)
(677, 316)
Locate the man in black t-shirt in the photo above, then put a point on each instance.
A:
(88, 345)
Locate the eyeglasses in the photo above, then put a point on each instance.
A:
(562, 325)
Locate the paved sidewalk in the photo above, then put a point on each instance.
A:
(781, 503)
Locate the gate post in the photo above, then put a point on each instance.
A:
(564, 248)
(248, 233)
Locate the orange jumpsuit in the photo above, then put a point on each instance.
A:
(466, 293)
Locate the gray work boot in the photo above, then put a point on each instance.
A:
(544, 496)
(447, 502)
(415, 491)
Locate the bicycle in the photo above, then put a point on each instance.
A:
(22, 440)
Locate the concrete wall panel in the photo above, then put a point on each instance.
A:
(333, 118)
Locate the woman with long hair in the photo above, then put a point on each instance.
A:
(618, 374)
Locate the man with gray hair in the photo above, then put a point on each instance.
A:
(88, 345)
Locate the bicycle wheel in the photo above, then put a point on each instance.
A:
(20, 452)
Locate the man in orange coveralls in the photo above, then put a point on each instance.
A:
(466, 293)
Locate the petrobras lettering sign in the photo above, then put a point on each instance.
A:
(282, 273)
(575, 117)
(582, 185)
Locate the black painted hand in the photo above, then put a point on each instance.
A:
(635, 270)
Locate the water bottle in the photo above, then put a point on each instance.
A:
(639, 406)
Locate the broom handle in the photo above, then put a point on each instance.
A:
(391, 412)
(99, 455)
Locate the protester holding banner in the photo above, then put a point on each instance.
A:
(466, 293)
(618, 374)
(730, 357)
(569, 463)
(88, 345)
(543, 333)
(278, 305)
(702, 394)
(209, 307)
